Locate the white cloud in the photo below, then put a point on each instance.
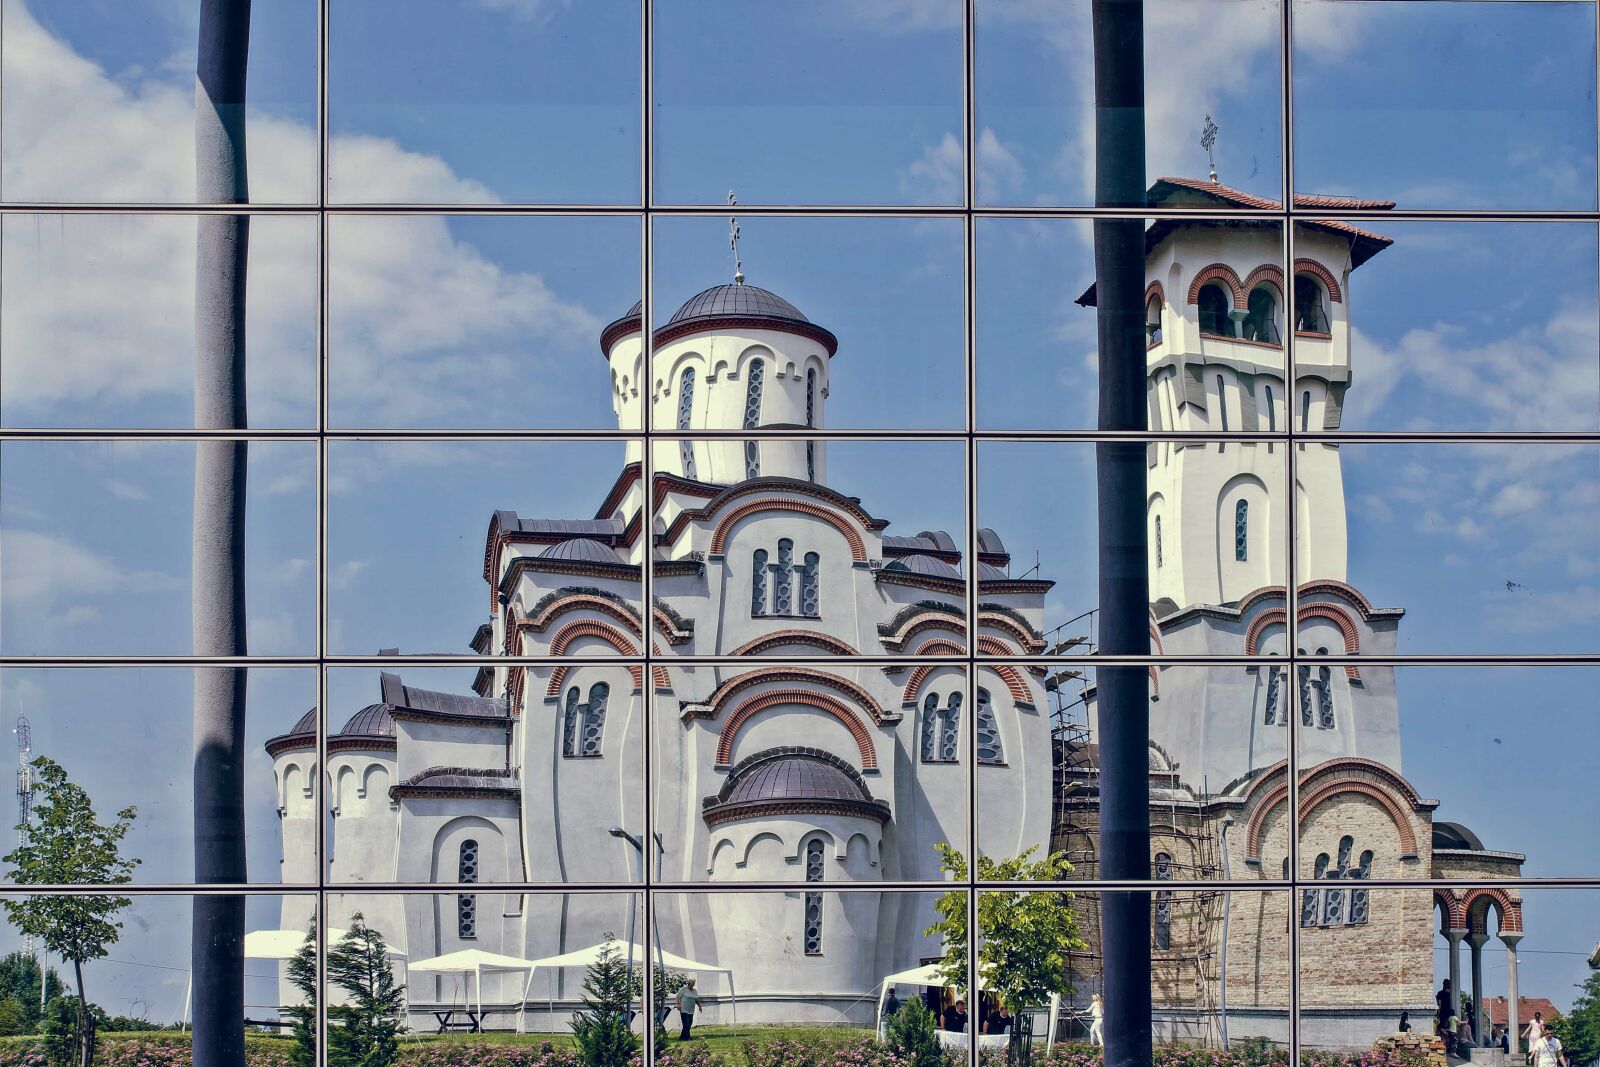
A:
(125, 490)
(1000, 173)
(939, 176)
(41, 570)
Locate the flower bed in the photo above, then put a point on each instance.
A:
(154, 1048)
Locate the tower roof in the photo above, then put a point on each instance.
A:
(793, 780)
(373, 720)
(750, 301)
(733, 306)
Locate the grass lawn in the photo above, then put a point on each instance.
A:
(727, 1041)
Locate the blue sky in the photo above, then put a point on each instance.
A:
(454, 322)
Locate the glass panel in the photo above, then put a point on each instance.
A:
(98, 540)
(477, 321)
(872, 305)
(865, 108)
(99, 321)
(1463, 326)
(427, 767)
(123, 736)
(1457, 548)
(1212, 567)
(1217, 734)
(413, 527)
(507, 100)
(1214, 300)
(1216, 59)
(1434, 731)
(1392, 102)
(100, 102)
(726, 532)
(752, 765)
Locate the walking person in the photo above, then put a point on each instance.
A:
(1446, 1000)
(1405, 1022)
(688, 1001)
(1546, 1052)
(1097, 1018)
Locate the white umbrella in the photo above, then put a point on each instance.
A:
(585, 957)
(475, 961)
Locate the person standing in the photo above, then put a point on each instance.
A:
(1097, 1018)
(955, 1017)
(1535, 1029)
(1405, 1022)
(999, 1020)
(1446, 1000)
(688, 1001)
(891, 1005)
(1546, 1052)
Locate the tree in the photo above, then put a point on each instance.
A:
(601, 1027)
(667, 984)
(1579, 1029)
(362, 1031)
(67, 845)
(1024, 937)
(303, 974)
(913, 1036)
(19, 981)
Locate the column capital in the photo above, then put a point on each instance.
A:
(1510, 939)
(1454, 936)
(1477, 940)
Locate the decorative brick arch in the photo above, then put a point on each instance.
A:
(572, 631)
(821, 701)
(928, 620)
(1218, 272)
(734, 686)
(1324, 782)
(1278, 616)
(1267, 272)
(1155, 290)
(1335, 786)
(1475, 917)
(810, 638)
(719, 536)
(1323, 275)
(554, 607)
(1002, 622)
(1454, 906)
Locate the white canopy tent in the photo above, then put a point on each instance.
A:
(584, 957)
(273, 945)
(931, 975)
(475, 961)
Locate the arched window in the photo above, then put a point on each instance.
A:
(1214, 318)
(758, 583)
(1261, 316)
(1305, 694)
(814, 900)
(1241, 531)
(569, 724)
(1324, 698)
(594, 718)
(1275, 715)
(1272, 412)
(752, 416)
(783, 579)
(1309, 898)
(990, 749)
(1305, 411)
(810, 587)
(950, 730)
(1310, 314)
(1162, 940)
(1152, 320)
(811, 422)
(1160, 556)
(1359, 904)
(1331, 911)
(1222, 402)
(467, 903)
(930, 728)
(685, 409)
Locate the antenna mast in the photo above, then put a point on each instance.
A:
(24, 732)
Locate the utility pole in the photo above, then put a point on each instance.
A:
(1124, 719)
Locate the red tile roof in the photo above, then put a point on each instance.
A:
(1526, 1006)
(1240, 198)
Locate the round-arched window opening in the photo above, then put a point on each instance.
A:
(1261, 318)
(1310, 305)
(1152, 321)
(1214, 317)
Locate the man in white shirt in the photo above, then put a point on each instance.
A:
(1547, 1052)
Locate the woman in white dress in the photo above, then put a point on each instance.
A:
(1097, 1013)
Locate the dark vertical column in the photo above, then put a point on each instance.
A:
(1124, 707)
(218, 607)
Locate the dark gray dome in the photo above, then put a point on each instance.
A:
(926, 566)
(793, 780)
(795, 777)
(620, 327)
(746, 301)
(581, 549)
(306, 725)
(373, 720)
(988, 572)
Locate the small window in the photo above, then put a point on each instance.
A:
(989, 746)
(1311, 315)
(685, 410)
(1241, 531)
(813, 902)
(758, 583)
(1160, 557)
(1305, 411)
(752, 416)
(930, 728)
(1261, 316)
(594, 718)
(569, 724)
(1222, 402)
(950, 730)
(1324, 698)
(1272, 412)
(467, 903)
(1214, 318)
(1275, 715)
(810, 587)
(1304, 673)
(1152, 321)
(811, 421)
(1162, 939)
(783, 579)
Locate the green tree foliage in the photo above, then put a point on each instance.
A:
(66, 845)
(667, 984)
(601, 1027)
(302, 970)
(19, 982)
(1024, 938)
(913, 1036)
(364, 1030)
(1579, 1029)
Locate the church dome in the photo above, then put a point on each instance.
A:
(793, 780)
(581, 549)
(373, 720)
(745, 301)
(303, 734)
(927, 566)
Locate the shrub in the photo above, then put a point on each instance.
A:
(913, 1036)
(463, 1054)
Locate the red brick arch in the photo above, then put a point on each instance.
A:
(811, 638)
(1454, 906)
(1278, 616)
(1004, 622)
(738, 684)
(1313, 796)
(821, 701)
(1322, 274)
(719, 536)
(602, 605)
(1154, 290)
(572, 631)
(1476, 918)
(1218, 272)
(1267, 272)
(927, 620)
